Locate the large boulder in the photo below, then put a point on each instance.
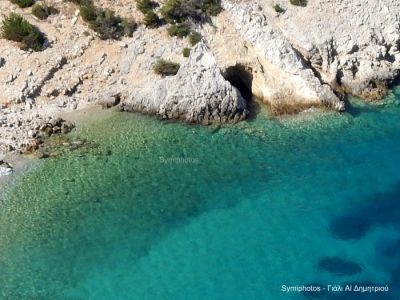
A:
(197, 93)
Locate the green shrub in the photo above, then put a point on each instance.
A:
(78, 2)
(23, 3)
(165, 68)
(107, 25)
(277, 8)
(151, 19)
(129, 26)
(180, 30)
(194, 38)
(16, 28)
(88, 11)
(186, 52)
(42, 12)
(299, 2)
(211, 7)
(180, 10)
(81, 2)
(105, 22)
(144, 6)
(173, 11)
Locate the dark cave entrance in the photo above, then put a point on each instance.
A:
(241, 78)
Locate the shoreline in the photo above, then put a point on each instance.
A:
(22, 163)
(90, 112)
(236, 54)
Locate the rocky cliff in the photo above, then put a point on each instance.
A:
(301, 57)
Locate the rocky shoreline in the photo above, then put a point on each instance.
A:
(25, 130)
(298, 59)
(47, 137)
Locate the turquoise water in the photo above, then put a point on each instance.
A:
(169, 211)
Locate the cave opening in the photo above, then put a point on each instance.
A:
(241, 78)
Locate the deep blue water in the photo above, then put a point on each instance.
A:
(159, 210)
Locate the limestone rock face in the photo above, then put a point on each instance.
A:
(285, 77)
(198, 93)
(353, 45)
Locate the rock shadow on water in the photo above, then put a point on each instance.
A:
(380, 209)
(339, 266)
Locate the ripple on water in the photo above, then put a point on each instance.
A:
(170, 211)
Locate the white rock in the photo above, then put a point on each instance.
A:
(5, 171)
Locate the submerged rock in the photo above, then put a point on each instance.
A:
(5, 168)
(5, 171)
(340, 266)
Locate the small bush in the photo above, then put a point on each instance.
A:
(16, 28)
(186, 52)
(194, 38)
(277, 8)
(151, 19)
(107, 25)
(105, 22)
(42, 12)
(180, 10)
(165, 68)
(23, 3)
(144, 6)
(78, 2)
(180, 30)
(299, 2)
(88, 12)
(129, 26)
(173, 11)
(211, 7)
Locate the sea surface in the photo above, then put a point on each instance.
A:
(159, 210)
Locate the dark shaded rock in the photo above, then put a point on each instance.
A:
(339, 266)
(56, 130)
(56, 122)
(48, 131)
(65, 129)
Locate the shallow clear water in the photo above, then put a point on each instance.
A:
(168, 211)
